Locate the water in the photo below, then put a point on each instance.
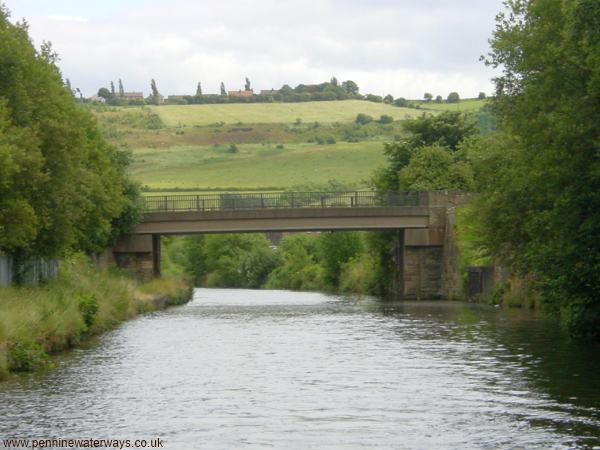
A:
(271, 369)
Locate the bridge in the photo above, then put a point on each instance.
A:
(418, 217)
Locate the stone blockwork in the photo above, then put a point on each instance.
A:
(423, 272)
(142, 264)
(138, 253)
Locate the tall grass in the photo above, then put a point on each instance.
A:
(82, 301)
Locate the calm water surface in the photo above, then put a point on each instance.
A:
(272, 369)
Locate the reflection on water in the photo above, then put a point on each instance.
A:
(255, 369)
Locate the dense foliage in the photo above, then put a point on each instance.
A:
(541, 208)
(308, 261)
(62, 187)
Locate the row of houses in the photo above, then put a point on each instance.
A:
(174, 98)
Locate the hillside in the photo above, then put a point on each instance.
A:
(251, 113)
(188, 146)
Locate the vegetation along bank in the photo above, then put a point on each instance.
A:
(64, 191)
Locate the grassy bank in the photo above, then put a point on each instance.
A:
(38, 321)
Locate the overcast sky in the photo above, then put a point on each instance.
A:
(400, 47)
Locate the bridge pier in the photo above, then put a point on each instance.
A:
(139, 253)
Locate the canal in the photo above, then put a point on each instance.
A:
(286, 370)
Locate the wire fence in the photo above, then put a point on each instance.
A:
(272, 200)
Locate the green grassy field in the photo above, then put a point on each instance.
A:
(256, 166)
(249, 113)
(466, 105)
(188, 150)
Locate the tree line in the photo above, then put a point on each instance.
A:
(63, 188)
(326, 91)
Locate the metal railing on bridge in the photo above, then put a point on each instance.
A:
(270, 200)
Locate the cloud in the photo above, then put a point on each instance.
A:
(387, 46)
(63, 18)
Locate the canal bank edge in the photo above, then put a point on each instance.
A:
(84, 301)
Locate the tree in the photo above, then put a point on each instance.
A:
(427, 96)
(481, 96)
(223, 91)
(433, 168)
(199, 89)
(389, 99)
(453, 97)
(438, 99)
(104, 93)
(334, 81)
(448, 129)
(155, 95)
(247, 85)
(112, 89)
(350, 87)
(121, 90)
(61, 183)
(336, 248)
(68, 86)
(401, 102)
(542, 214)
(286, 90)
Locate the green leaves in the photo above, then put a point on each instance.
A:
(62, 187)
(541, 207)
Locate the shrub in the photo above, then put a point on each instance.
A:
(88, 306)
(358, 275)
(374, 98)
(363, 119)
(233, 149)
(25, 356)
(385, 119)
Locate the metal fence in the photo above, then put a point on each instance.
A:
(269, 200)
(32, 272)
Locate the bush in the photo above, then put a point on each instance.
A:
(330, 140)
(279, 146)
(374, 98)
(88, 306)
(26, 356)
(363, 119)
(358, 275)
(385, 119)
(233, 149)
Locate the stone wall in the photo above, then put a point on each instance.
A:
(423, 272)
(142, 264)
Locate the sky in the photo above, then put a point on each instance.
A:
(399, 47)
